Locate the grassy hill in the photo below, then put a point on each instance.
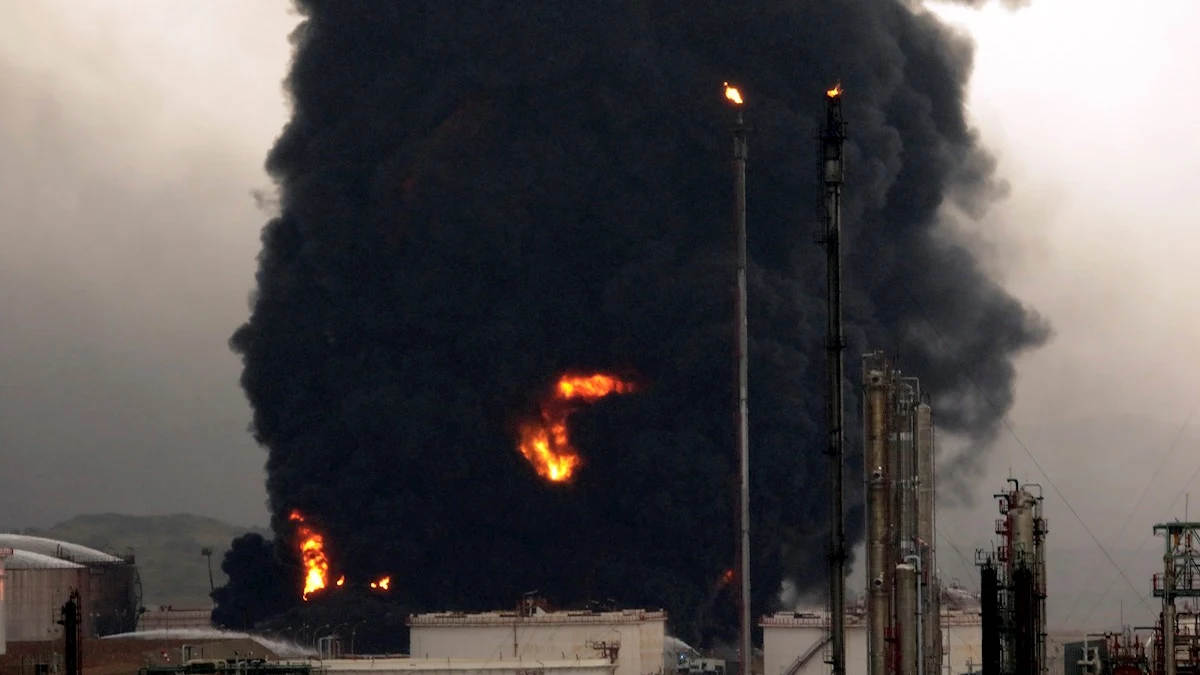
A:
(168, 550)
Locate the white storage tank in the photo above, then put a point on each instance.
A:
(36, 588)
(633, 640)
(110, 590)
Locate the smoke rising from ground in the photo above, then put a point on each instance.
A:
(479, 196)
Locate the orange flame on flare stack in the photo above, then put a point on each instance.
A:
(382, 583)
(732, 93)
(312, 553)
(545, 443)
(835, 92)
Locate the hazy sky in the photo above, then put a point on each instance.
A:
(133, 131)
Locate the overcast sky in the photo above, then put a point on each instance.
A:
(132, 133)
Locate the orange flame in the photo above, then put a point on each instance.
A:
(312, 553)
(383, 583)
(341, 581)
(545, 442)
(726, 578)
(835, 92)
(732, 93)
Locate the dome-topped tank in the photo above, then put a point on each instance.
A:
(42, 572)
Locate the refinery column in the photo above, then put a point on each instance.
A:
(926, 537)
(875, 464)
(832, 141)
(740, 156)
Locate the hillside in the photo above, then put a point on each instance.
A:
(168, 550)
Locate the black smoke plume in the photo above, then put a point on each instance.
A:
(477, 196)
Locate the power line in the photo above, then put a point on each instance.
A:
(1095, 568)
(1146, 540)
(943, 534)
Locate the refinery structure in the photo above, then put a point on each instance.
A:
(905, 622)
(1012, 586)
(1171, 646)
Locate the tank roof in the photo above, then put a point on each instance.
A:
(29, 560)
(538, 617)
(56, 549)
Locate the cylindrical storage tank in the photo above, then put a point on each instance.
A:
(114, 602)
(36, 587)
(110, 594)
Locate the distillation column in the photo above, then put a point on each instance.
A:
(926, 535)
(906, 615)
(905, 392)
(898, 471)
(1013, 587)
(875, 465)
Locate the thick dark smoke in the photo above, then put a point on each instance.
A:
(477, 196)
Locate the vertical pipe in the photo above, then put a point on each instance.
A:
(920, 635)
(906, 617)
(876, 467)
(832, 154)
(1168, 612)
(740, 156)
(927, 535)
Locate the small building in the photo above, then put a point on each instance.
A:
(794, 643)
(404, 666)
(632, 640)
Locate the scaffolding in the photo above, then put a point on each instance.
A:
(1176, 639)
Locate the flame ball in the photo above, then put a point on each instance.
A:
(544, 442)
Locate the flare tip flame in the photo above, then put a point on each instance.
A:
(732, 93)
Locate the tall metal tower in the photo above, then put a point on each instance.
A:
(832, 155)
(903, 592)
(740, 156)
(1013, 586)
(1180, 578)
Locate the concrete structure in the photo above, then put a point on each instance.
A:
(793, 642)
(633, 640)
(42, 572)
(397, 666)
